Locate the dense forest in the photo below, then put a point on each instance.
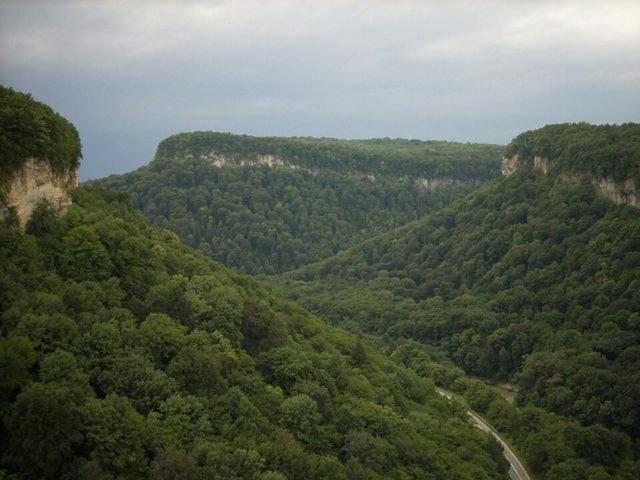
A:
(528, 278)
(32, 129)
(608, 151)
(260, 219)
(125, 354)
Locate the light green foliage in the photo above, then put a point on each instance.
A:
(299, 414)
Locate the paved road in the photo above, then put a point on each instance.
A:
(517, 470)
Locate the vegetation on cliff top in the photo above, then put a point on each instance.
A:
(32, 129)
(609, 151)
(381, 156)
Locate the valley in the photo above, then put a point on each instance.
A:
(388, 276)
(266, 205)
(517, 471)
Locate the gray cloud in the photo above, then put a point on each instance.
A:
(129, 73)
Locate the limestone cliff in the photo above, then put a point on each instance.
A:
(34, 182)
(420, 183)
(220, 160)
(621, 193)
(430, 184)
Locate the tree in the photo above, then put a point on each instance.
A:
(175, 465)
(44, 429)
(84, 257)
(300, 415)
(117, 436)
(17, 356)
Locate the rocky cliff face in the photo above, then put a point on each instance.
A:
(420, 183)
(510, 165)
(621, 193)
(430, 184)
(36, 181)
(260, 160)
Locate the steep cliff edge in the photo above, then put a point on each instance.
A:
(605, 156)
(372, 157)
(422, 184)
(39, 156)
(34, 182)
(622, 193)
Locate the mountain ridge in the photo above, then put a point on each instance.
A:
(270, 204)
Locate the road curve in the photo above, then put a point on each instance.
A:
(516, 470)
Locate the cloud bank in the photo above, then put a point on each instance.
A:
(129, 73)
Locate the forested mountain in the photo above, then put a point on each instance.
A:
(532, 278)
(271, 204)
(125, 354)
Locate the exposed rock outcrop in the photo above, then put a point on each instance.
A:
(420, 183)
(260, 160)
(621, 193)
(430, 184)
(510, 165)
(34, 182)
(542, 165)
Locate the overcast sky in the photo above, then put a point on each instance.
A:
(129, 73)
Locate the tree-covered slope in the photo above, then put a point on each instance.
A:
(318, 197)
(32, 129)
(529, 278)
(125, 354)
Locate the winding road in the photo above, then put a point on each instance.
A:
(516, 470)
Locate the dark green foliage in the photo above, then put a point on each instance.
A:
(611, 151)
(525, 276)
(31, 129)
(262, 219)
(44, 429)
(125, 354)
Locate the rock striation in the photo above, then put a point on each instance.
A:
(430, 184)
(620, 193)
(34, 182)
(422, 184)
